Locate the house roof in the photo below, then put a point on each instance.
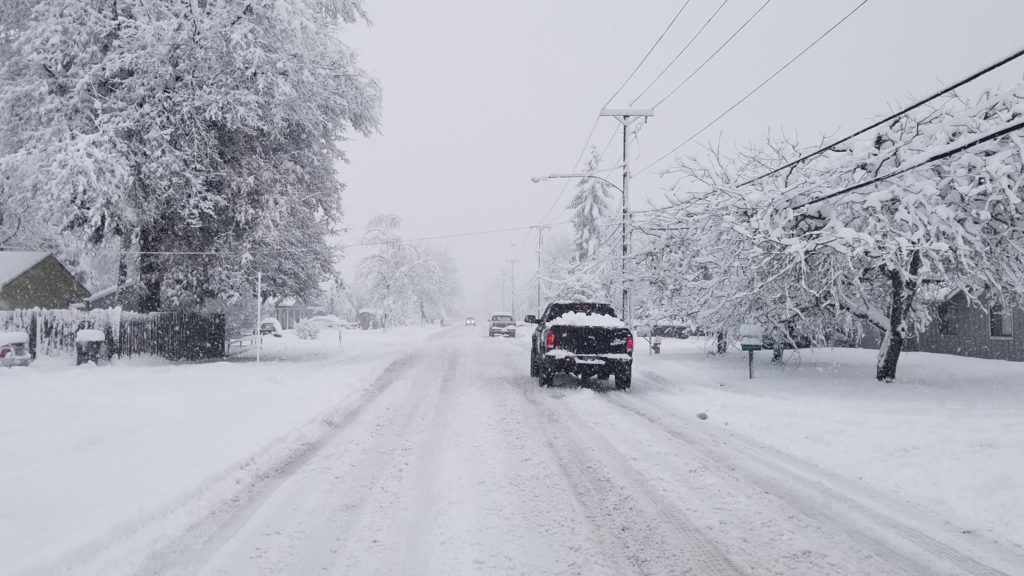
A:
(13, 264)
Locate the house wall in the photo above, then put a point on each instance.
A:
(288, 316)
(46, 285)
(973, 335)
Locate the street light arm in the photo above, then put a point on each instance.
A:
(538, 179)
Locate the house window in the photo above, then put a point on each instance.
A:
(948, 319)
(1001, 321)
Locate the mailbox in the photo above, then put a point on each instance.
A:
(751, 337)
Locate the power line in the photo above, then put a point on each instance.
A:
(597, 119)
(891, 117)
(646, 56)
(756, 88)
(692, 39)
(565, 186)
(713, 54)
(292, 250)
(938, 156)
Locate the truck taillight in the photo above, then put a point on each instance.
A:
(629, 343)
(549, 340)
(4, 352)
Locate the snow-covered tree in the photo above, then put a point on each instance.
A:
(591, 206)
(202, 126)
(588, 268)
(403, 281)
(435, 283)
(771, 252)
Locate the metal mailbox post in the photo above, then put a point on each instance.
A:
(751, 339)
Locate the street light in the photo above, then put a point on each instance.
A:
(626, 311)
(626, 117)
(584, 176)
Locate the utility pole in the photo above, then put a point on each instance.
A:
(513, 279)
(259, 315)
(503, 290)
(540, 265)
(626, 118)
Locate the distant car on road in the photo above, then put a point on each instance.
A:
(581, 338)
(470, 321)
(502, 324)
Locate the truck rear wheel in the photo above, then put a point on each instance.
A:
(534, 371)
(547, 377)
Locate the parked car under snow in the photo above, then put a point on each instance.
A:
(14, 349)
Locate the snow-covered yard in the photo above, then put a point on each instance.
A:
(107, 470)
(90, 454)
(947, 436)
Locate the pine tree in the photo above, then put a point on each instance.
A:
(591, 206)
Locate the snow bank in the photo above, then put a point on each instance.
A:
(947, 436)
(579, 319)
(91, 457)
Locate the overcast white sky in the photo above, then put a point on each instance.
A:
(481, 95)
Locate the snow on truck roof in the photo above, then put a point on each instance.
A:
(502, 314)
(581, 319)
(14, 264)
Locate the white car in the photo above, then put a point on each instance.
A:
(501, 324)
(14, 349)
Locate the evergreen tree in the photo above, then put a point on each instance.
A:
(591, 207)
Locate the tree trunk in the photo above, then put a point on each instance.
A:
(777, 350)
(903, 292)
(149, 271)
(721, 345)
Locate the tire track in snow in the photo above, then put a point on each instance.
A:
(193, 549)
(794, 483)
(421, 529)
(610, 487)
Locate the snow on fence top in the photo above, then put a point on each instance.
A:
(89, 336)
(13, 338)
(580, 319)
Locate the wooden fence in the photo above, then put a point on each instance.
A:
(171, 335)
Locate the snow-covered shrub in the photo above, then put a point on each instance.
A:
(307, 330)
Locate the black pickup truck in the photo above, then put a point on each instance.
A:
(581, 338)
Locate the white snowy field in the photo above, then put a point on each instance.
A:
(947, 435)
(89, 454)
(425, 451)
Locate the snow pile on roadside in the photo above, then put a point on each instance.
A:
(947, 436)
(580, 319)
(92, 455)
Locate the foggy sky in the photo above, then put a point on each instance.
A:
(479, 96)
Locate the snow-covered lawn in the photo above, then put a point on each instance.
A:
(947, 436)
(89, 454)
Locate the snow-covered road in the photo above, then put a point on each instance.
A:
(455, 462)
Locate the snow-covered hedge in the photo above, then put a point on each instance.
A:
(307, 330)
